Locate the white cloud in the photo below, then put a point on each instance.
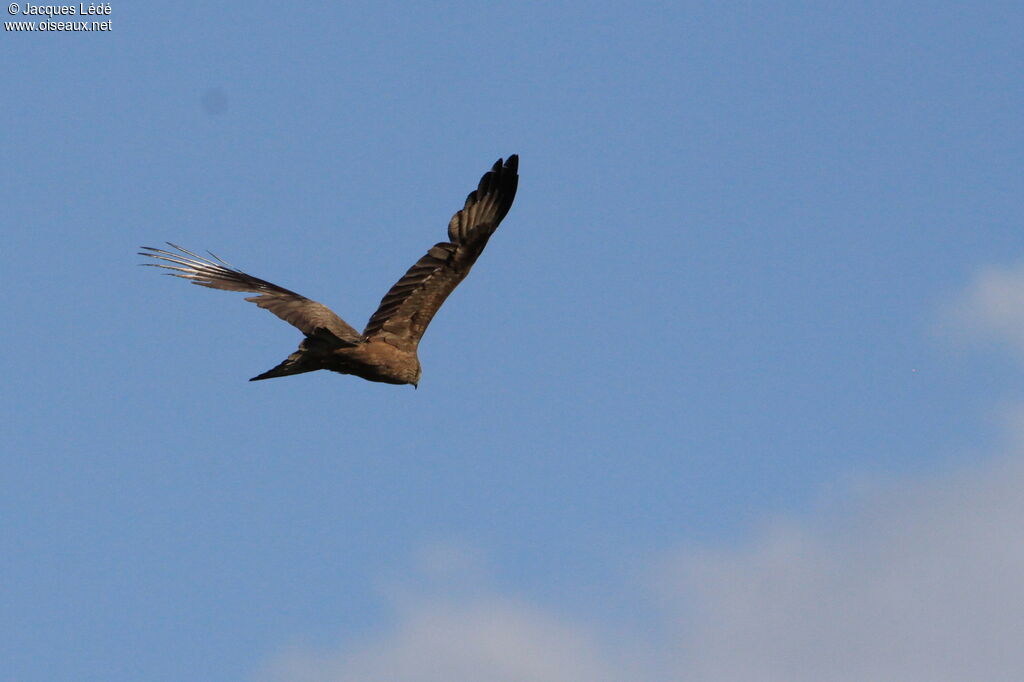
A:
(922, 581)
(451, 640)
(450, 626)
(992, 307)
(918, 580)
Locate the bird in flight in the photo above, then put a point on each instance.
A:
(386, 349)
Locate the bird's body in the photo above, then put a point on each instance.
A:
(386, 351)
(373, 360)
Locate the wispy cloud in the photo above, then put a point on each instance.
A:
(459, 640)
(917, 581)
(914, 580)
(991, 307)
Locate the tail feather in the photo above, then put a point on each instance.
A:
(310, 356)
(298, 362)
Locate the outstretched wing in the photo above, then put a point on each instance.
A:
(309, 316)
(406, 310)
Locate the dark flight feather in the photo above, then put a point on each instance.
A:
(410, 305)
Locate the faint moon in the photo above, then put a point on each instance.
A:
(214, 101)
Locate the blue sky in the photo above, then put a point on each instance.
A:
(741, 365)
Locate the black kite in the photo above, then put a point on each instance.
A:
(386, 350)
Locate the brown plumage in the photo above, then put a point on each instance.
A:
(386, 350)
